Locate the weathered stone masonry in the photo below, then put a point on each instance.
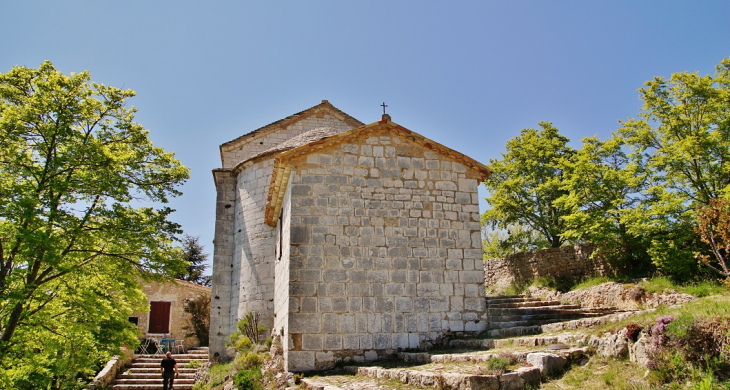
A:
(386, 251)
(569, 262)
(351, 242)
(243, 263)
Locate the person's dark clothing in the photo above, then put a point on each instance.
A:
(168, 364)
(168, 376)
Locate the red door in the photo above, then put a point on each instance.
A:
(159, 317)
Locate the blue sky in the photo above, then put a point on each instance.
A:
(468, 74)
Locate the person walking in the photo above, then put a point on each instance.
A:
(168, 368)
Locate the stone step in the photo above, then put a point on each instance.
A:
(512, 324)
(560, 316)
(491, 301)
(519, 378)
(543, 309)
(150, 365)
(472, 343)
(515, 331)
(154, 381)
(151, 375)
(179, 361)
(497, 297)
(536, 303)
(156, 370)
(152, 387)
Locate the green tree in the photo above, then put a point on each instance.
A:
(499, 243)
(713, 226)
(682, 136)
(196, 261)
(604, 193)
(73, 165)
(199, 322)
(526, 182)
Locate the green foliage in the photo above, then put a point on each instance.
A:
(592, 282)
(248, 380)
(604, 191)
(196, 259)
(194, 364)
(692, 350)
(498, 243)
(683, 140)
(198, 324)
(713, 226)
(527, 181)
(704, 288)
(249, 361)
(658, 285)
(497, 364)
(72, 245)
(243, 343)
(249, 326)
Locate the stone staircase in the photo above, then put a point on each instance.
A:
(144, 371)
(518, 315)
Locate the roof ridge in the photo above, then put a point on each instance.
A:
(294, 118)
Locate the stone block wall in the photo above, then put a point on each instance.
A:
(385, 251)
(223, 311)
(243, 255)
(175, 293)
(255, 243)
(281, 286)
(259, 142)
(570, 262)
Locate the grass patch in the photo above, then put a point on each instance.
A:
(658, 285)
(662, 284)
(705, 289)
(702, 308)
(601, 373)
(592, 282)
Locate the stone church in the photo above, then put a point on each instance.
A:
(351, 241)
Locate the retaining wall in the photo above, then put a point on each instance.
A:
(569, 262)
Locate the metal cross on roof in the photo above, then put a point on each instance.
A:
(383, 105)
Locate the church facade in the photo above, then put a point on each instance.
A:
(351, 241)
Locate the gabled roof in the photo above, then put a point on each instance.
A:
(300, 140)
(282, 170)
(283, 123)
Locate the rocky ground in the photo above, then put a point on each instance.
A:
(534, 359)
(622, 296)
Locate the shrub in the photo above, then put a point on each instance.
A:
(243, 344)
(248, 380)
(198, 324)
(249, 361)
(497, 365)
(690, 350)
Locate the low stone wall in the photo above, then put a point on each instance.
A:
(570, 262)
(104, 378)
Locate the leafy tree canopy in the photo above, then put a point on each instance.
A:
(526, 182)
(604, 193)
(196, 260)
(682, 136)
(498, 243)
(74, 169)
